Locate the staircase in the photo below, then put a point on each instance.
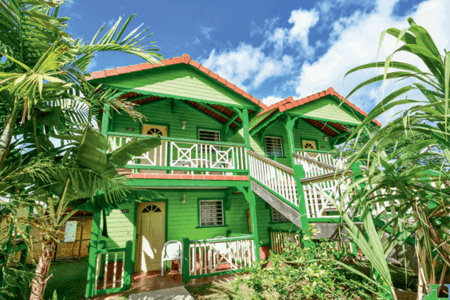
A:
(276, 184)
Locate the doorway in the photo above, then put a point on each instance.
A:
(151, 236)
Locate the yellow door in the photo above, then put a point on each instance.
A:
(157, 156)
(151, 236)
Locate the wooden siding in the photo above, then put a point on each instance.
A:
(183, 218)
(326, 108)
(160, 113)
(120, 226)
(304, 130)
(264, 222)
(179, 81)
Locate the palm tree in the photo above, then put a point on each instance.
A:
(45, 98)
(415, 197)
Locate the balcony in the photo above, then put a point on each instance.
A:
(178, 158)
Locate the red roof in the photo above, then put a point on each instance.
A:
(290, 103)
(185, 59)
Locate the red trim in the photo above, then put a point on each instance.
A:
(290, 103)
(185, 59)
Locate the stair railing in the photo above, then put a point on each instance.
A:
(275, 176)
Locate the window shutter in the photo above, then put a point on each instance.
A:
(277, 217)
(274, 146)
(211, 213)
(209, 135)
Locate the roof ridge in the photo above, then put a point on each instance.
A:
(316, 96)
(184, 59)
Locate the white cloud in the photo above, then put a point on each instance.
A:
(207, 32)
(196, 41)
(111, 22)
(302, 21)
(69, 3)
(246, 66)
(271, 100)
(355, 42)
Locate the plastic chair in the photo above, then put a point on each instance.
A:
(172, 250)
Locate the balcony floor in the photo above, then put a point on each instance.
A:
(187, 177)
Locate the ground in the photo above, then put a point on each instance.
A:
(69, 281)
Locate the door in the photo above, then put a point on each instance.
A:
(158, 156)
(151, 229)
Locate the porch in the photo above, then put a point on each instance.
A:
(176, 156)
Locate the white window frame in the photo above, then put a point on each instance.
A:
(203, 214)
(275, 138)
(276, 219)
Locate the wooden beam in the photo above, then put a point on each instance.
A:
(173, 106)
(208, 106)
(227, 125)
(265, 122)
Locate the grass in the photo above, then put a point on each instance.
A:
(68, 279)
(220, 291)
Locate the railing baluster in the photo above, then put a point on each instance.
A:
(115, 270)
(105, 271)
(97, 271)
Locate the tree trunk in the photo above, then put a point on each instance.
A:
(40, 279)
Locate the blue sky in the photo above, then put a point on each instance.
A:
(271, 49)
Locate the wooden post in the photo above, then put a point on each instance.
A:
(270, 237)
(105, 120)
(251, 199)
(186, 264)
(299, 174)
(128, 266)
(95, 233)
(289, 125)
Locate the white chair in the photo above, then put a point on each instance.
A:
(172, 250)
(222, 253)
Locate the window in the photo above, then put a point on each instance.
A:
(311, 145)
(274, 146)
(277, 217)
(211, 213)
(209, 135)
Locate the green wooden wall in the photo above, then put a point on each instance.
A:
(179, 81)
(304, 130)
(160, 113)
(183, 219)
(327, 108)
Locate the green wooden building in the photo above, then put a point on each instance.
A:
(228, 167)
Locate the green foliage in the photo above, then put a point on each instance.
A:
(410, 180)
(307, 273)
(50, 154)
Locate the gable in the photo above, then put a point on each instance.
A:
(326, 109)
(179, 82)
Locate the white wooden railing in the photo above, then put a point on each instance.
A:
(313, 167)
(316, 191)
(185, 155)
(220, 255)
(323, 157)
(278, 240)
(275, 176)
(117, 269)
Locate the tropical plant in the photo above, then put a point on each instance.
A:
(411, 199)
(50, 155)
(308, 273)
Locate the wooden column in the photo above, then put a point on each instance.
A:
(289, 125)
(95, 234)
(105, 119)
(251, 199)
(299, 175)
